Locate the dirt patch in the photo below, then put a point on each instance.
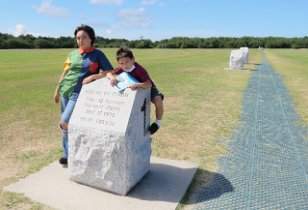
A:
(21, 142)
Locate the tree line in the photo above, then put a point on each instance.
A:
(8, 41)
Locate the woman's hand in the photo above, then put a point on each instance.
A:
(56, 96)
(87, 80)
(113, 81)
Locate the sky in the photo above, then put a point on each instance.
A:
(156, 19)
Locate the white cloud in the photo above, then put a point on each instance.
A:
(148, 2)
(19, 30)
(108, 31)
(135, 18)
(107, 1)
(35, 34)
(97, 23)
(47, 8)
(152, 2)
(82, 16)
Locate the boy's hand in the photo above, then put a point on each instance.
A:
(143, 85)
(133, 86)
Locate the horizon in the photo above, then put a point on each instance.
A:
(169, 38)
(156, 20)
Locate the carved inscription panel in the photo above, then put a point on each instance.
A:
(103, 107)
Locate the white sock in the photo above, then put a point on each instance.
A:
(157, 122)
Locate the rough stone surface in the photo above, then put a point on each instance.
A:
(236, 59)
(245, 51)
(109, 146)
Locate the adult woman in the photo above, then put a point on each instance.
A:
(82, 66)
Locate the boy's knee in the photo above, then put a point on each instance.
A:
(158, 102)
(157, 99)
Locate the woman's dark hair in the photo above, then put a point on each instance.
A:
(89, 30)
(124, 52)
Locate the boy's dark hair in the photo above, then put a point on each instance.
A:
(89, 30)
(124, 52)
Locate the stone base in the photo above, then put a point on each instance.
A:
(107, 160)
(161, 188)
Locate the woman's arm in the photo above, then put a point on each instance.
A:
(92, 77)
(56, 94)
(112, 78)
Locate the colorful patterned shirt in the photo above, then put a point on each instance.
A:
(79, 65)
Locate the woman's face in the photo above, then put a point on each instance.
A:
(83, 40)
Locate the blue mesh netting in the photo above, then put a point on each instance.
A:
(268, 162)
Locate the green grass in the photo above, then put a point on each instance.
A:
(293, 66)
(19, 201)
(202, 105)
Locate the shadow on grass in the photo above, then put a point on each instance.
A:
(256, 64)
(206, 186)
(249, 69)
(253, 68)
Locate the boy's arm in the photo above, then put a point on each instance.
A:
(145, 85)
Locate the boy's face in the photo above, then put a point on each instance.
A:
(126, 63)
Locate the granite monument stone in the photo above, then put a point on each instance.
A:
(109, 144)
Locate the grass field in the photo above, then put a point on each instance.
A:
(202, 106)
(293, 66)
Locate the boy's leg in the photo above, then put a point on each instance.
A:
(157, 99)
(159, 107)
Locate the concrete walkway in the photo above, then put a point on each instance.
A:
(162, 188)
(268, 161)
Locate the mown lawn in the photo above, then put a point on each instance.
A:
(202, 106)
(293, 66)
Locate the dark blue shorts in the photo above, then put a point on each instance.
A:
(155, 92)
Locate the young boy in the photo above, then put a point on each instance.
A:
(127, 64)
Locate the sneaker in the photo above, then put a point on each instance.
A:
(63, 161)
(153, 128)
